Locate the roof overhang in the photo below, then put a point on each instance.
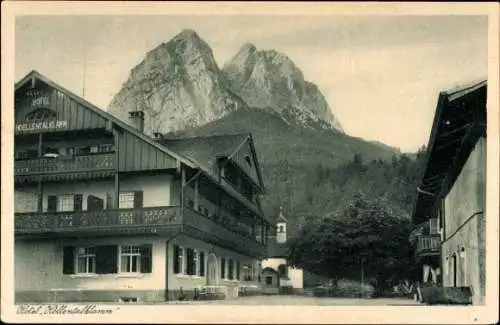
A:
(459, 121)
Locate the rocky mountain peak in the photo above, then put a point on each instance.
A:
(268, 78)
(179, 85)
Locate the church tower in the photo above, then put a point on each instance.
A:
(281, 228)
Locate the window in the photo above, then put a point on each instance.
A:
(230, 271)
(94, 149)
(66, 203)
(201, 263)
(269, 280)
(238, 266)
(223, 268)
(433, 226)
(281, 228)
(126, 200)
(85, 260)
(130, 259)
(178, 260)
(82, 150)
(106, 147)
(98, 259)
(190, 261)
(190, 203)
(463, 266)
(247, 272)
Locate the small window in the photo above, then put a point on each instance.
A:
(178, 260)
(201, 263)
(223, 268)
(106, 147)
(190, 261)
(66, 203)
(230, 271)
(85, 260)
(269, 280)
(82, 150)
(130, 259)
(126, 200)
(94, 149)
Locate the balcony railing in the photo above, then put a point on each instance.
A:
(106, 220)
(105, 161)
(428, 244)
(136, 221)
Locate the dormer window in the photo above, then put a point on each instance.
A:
(281, 228)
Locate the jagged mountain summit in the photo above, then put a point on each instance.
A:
(179, 85)
(267, 78)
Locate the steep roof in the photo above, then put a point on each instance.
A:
(204, 150)
(459, 121)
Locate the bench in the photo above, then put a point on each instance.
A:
(434, 295)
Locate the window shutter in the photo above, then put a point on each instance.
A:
(176, 259)
(106, 258)
(146, 258)
(202, 263)
(110, 201)
(68, 260)
(190, 261)
(138, 199)
(222, 268)
(52, 203)
(94, 203)
(78, 202)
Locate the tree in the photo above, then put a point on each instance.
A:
(365, 232)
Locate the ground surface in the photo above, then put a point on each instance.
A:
(308, 301)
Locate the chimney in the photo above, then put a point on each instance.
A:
(157, 136)
(136, 119)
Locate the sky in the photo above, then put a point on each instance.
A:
(381, 75)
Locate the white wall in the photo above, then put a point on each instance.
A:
(156, 188)
(296, 275)
(467, 197)
(39, 266)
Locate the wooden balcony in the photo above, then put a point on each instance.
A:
(428, 245)
(47, 168)
(136, 221)
(207, 229)
(154, 220)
